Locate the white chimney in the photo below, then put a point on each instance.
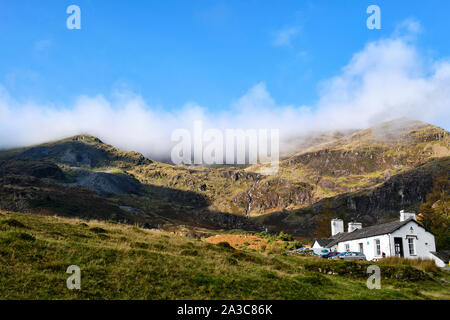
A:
(337, 226)
(407, 215)
(352, 226)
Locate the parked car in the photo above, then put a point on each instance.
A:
(351, 256)
(339, 255)
(320, 251)
(329, 255)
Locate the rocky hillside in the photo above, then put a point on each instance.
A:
(381, 203)
(368, 174)
(78, 151)
(83, 177)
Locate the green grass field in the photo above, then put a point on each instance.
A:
(126, 262)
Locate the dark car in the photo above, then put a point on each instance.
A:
(329, 255)
(351, 256)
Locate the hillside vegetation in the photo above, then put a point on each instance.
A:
(366, 175)
(125, 262)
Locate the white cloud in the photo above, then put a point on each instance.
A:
(42, 45)
(284, 37)
(408, 28)
(217, 14)
(387, 79)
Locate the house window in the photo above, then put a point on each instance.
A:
(377, 247)
(347, 247)
(412, 247)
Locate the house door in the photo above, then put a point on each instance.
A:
(398, 245)
(361, 248)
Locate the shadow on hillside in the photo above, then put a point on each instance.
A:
(33, 187)
(71, 152)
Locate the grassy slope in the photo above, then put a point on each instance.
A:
(125, 262)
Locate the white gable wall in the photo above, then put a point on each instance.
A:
(423, 241)
(316, 245)
(334, 248)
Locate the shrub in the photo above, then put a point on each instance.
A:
(12, 223)
(141, 245)
(269, 274)
(203, 280)
(240, 255)
(189, 252)
(188, 245)
(285, 237)
(103, 236)
(426, 265)
(279, 265)
(292, 245)
(315, 280)
(159, 246)
(98, 230)
(225, 245)
(358, 269)
(231, 260)
(14, 235)
(276, 248)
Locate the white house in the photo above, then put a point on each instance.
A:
(403, 238)
(321, 243)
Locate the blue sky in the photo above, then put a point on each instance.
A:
(138, 70)
(210, 52)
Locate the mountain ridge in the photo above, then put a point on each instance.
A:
(336, 167)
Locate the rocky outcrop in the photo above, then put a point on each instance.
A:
(403, 191)
(82, 151)
(37, 169)
(370, 206)
(274, 193)
(106, 184)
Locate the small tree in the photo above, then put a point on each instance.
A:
(285, 237)
(435, 211)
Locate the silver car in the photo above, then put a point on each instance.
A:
(351, 256)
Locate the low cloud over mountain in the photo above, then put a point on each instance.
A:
(387, 79)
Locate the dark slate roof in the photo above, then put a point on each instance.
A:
(372, 231)
(337, 238)
(323, 242)
(444, 255)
